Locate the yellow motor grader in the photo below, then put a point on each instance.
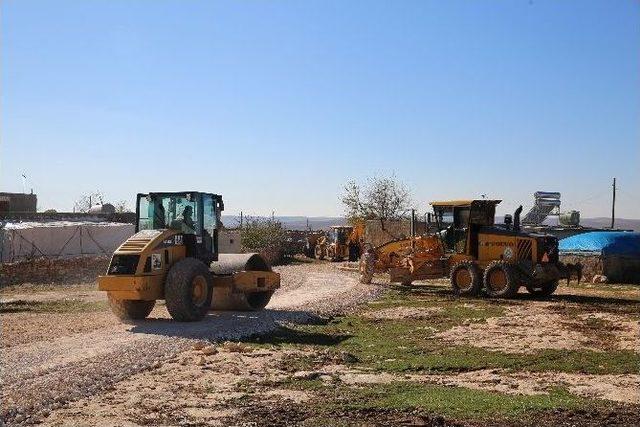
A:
(174, 256)
(341, 242)
(477, 254)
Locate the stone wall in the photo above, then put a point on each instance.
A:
(617, 269)
(18, 203)
(591, 264)
(379, 232)
(54, 271)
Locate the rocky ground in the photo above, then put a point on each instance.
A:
(328, 351)
(63, 344)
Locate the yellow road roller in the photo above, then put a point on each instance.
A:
(174, 256)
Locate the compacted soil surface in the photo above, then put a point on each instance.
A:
(326, 351)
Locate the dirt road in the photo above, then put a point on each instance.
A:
(413, 355)
(78, 354)
(402, 359)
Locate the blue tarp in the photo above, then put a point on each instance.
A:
(604, 242)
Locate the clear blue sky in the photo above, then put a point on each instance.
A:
(274, 104)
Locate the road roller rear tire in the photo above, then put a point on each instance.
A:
(224, 299)
(188, 290)
(258, 300)
(127, 310)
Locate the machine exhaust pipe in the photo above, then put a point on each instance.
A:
(516, 219)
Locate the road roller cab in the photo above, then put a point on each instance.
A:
(174, 256)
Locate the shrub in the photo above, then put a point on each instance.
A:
(265, 236)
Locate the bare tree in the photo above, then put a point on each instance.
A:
(85, 201)
(379, 198)
(122, 206)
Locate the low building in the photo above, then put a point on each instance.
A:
(229, 241)
(18, 203)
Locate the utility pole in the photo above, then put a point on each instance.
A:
(613, 205)
(413, 228)
(241, 219)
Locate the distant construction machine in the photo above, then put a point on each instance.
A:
(174, 256)
(341, 242)
(477, 254)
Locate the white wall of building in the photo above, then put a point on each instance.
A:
(229, 241)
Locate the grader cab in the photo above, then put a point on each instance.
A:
(174, 256)
(477, 254)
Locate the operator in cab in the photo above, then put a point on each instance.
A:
(159, 217)
(185, 222)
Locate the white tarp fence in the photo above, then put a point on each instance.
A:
(27, 240)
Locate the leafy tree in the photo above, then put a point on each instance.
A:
(379, 198)
(259, 234)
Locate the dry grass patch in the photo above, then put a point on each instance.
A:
(540, 325)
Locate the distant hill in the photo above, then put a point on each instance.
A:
(599, 222)
(324, 222)
(603, 222)
(293, 222)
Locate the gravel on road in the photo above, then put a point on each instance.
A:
(40, 376)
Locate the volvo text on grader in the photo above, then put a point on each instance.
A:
(174, 256)
(477, 254)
